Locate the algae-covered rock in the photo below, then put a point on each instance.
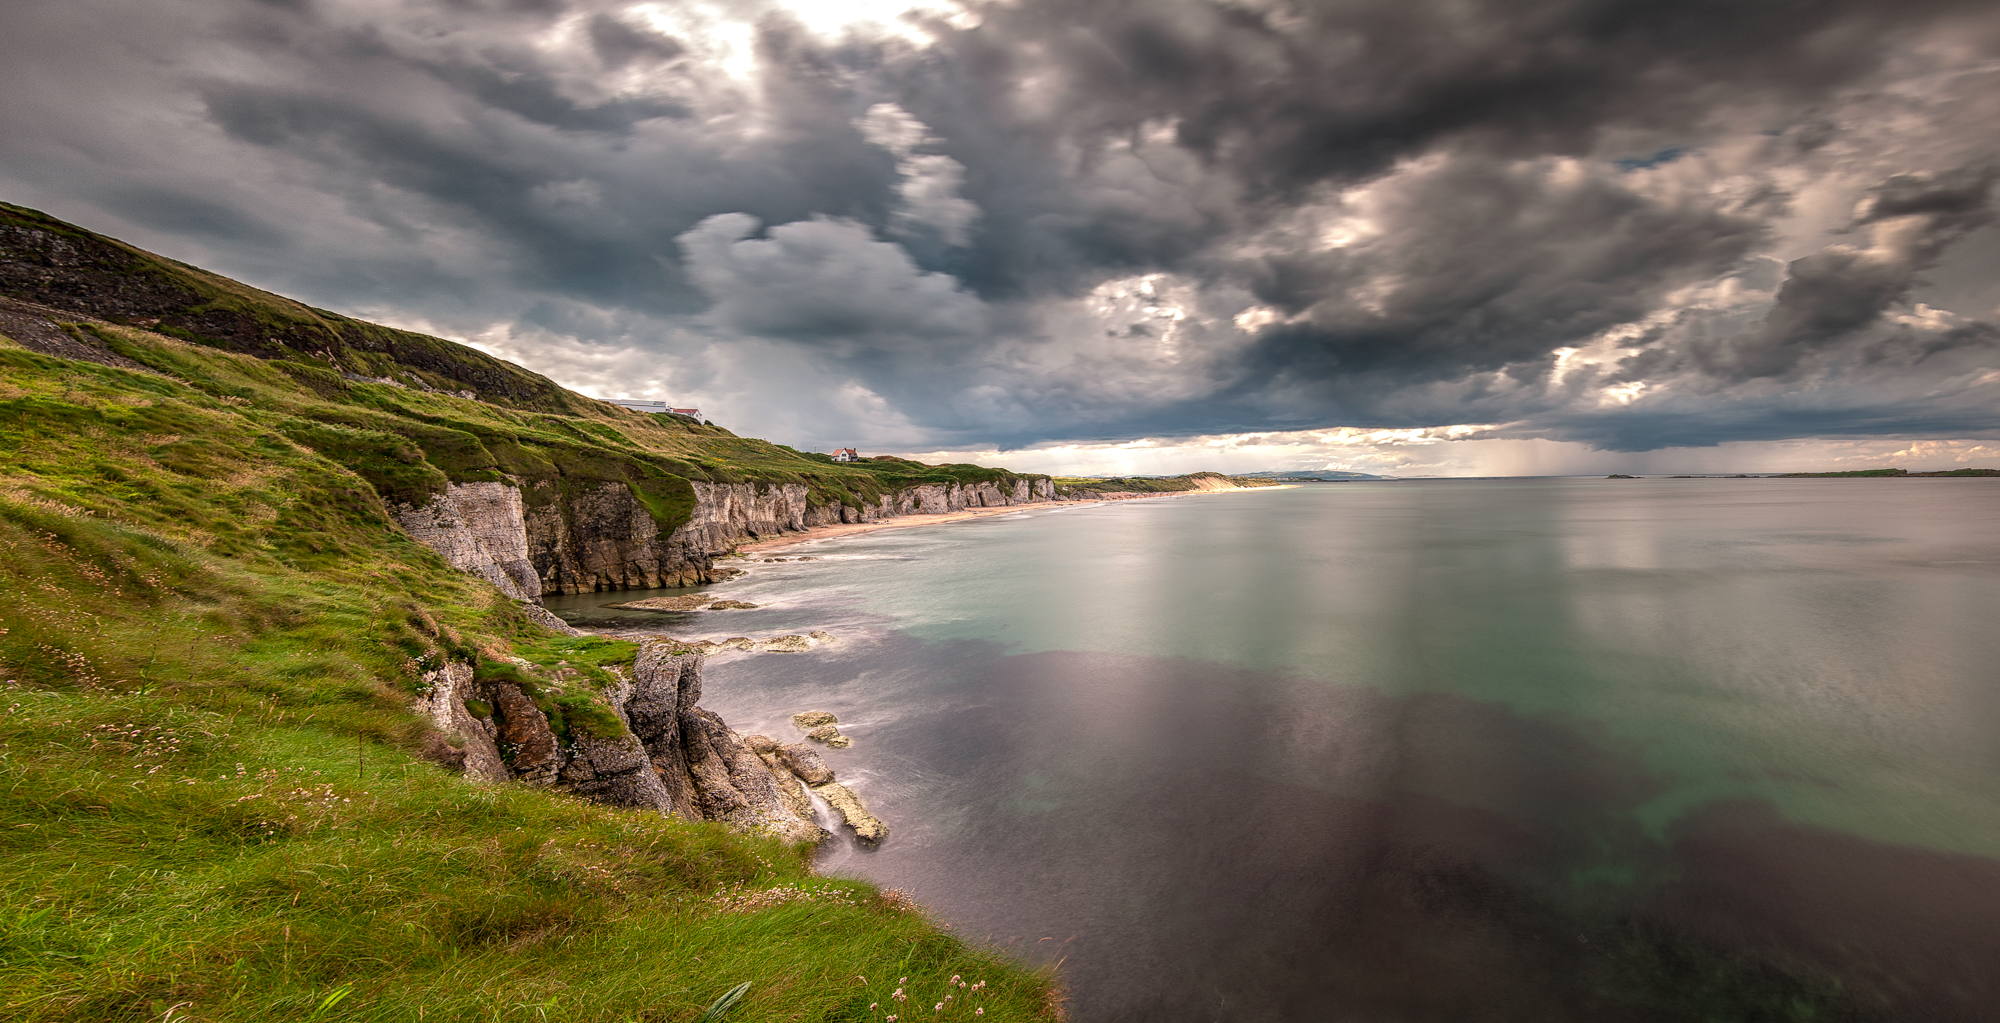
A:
(786, 645)
(867, 827)
(830, 734)
(814, 718)
(732, 605)
(806, 762)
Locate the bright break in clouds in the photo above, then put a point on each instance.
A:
(1237, 235)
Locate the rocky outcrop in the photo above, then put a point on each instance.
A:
(547, 619)
(666, 753)
(443, 701)
(688, 602)
(773, 645)
(805, 762)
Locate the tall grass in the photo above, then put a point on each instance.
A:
(210, 808)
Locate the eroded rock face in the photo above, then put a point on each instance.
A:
(526, 741)
(550, 541)
(443, 702)
(478, 528)
(672, 756)
(789, 787)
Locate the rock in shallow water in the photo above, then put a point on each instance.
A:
(830, 735)
(814, 718)
(866, 826)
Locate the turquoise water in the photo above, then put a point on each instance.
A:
(1494, 749)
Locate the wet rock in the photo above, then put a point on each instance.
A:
(732, 605)
(867, 827)
(821, 636)
(680, 603)
(814, 718)
(760, 744)
(830, 734)
(804, 761)
(791, 791)
(786, 645)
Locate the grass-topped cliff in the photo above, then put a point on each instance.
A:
(407, 412)
(211, 631)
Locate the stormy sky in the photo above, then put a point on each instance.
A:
(1101, 235)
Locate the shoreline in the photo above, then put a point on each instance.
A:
(896, 522)
(829, 532)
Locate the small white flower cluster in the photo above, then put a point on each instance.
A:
(957, 994)
(739, 899)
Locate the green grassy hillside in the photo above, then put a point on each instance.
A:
(389, 403)
(212, 803)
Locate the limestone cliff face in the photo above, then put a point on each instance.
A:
(479, 528)
(671, 756)
(605, 539)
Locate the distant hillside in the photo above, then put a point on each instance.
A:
(1885, 473)
(1308, 474)
(1090, 486)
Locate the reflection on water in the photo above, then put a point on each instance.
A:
(1541, 750)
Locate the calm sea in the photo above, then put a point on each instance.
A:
(1433, 750)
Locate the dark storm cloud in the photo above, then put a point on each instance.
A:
(1370, 212)
(1831, 295)
(1487, 266)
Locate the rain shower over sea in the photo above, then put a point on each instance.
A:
(1542, 749)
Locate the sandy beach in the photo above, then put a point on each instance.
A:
(768, 544)
(771, 543)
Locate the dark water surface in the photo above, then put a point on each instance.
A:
(1434, 750)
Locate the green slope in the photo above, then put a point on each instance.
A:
(212, 804)
(387, 402)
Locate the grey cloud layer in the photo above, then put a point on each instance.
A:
(1629, 223)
